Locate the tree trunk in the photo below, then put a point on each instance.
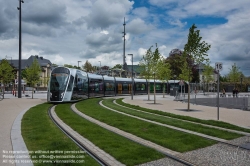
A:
(188, 96)
(32, 92)
(3, 91)
(148, 91)
(164, 91)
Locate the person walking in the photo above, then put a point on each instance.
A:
(223, 92)
(236, 92)
(233, 92)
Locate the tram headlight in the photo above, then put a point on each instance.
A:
(62, 94)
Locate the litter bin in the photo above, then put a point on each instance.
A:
(173, 91)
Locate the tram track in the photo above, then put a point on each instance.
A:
(79, 143)
(91, 152)
(134, 138)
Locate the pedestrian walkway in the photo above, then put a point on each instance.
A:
(167, 104)
(10, 108)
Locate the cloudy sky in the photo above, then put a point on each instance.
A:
(67, 31)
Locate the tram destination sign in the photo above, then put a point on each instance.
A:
(218, 66)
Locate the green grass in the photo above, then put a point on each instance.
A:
(169, 138)
(40, 133)
(208, 122)
(174, 122)
(124, 150)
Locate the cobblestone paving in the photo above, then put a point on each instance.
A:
(216, 155)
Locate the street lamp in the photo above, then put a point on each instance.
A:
(132, 78)
(20, 48)
(154, 88)
(78, 63)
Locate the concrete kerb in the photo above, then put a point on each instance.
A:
(18, 143)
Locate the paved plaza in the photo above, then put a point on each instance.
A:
(11, 107)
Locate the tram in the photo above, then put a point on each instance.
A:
(71, 85)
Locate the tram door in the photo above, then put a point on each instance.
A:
(119, 88)
(129, 88)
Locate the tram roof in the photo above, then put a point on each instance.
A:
(90, 75)
(107, 78)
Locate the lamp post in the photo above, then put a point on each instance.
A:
(154, 88)
(132, 93)
(78, 63)
(20, 48)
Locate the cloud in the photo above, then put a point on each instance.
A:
(138, 26)
(107, 12)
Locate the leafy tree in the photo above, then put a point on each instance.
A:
(105, 68)
(164, 72)
(176, 64)
(208, 74)
(87, 67)
(6, 73)
(234, 74)
(146, 67)
(33, 74)
(71, 66)
(197, 50)
(117, 66)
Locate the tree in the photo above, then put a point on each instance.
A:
(197, 50)
(71, 66)
(208, 73)
(87, 67)
(164, 72)
(6, 73)
(234, 74)
(33, 74)
(175, 60)
(146, 67)
(117, 66)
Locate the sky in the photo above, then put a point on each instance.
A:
(68, 31)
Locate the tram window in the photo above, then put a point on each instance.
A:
(109, 86)
(157, 87)
(70, 83)
(140, 86)
(125, 86)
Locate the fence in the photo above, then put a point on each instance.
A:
(210, 99)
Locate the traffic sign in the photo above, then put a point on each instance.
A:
(181, 83)
(218, 66)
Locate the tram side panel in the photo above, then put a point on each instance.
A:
(109, 88)
(96, 88)
(140, 88)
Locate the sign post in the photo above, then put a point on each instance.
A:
(218, 68)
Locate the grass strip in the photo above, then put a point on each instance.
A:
(45, 140)
(123, 149)
(174, 122)
(208, 122)
(169, 138)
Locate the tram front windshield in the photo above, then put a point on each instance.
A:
(59, 81)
